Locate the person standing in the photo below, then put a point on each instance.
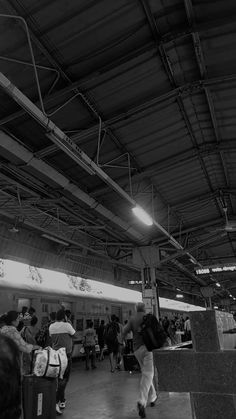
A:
(28, 333)
(89, 342)
(10, 330)
(187, 329)
(61, 333)
(101, 342)
(10, 379)
(129, 341)
(145, 360)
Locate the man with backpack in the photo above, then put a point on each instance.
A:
(144, 357)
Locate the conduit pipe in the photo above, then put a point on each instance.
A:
(13, 147)
(70, 148)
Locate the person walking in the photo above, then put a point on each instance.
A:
(145, 360)
(111, 339)
(61, 333)
(90, 339)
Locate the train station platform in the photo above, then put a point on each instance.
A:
(100, 394)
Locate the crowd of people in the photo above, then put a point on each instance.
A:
(175, 325)
(20, 336)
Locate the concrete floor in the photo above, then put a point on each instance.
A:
(102, 395)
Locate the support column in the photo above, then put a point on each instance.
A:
(156, 307)
(147, 258)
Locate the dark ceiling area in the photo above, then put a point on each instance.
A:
(106, 105)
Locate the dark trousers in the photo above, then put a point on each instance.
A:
(129, 346)
(62, 383)
(89, 349)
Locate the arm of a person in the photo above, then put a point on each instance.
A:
(126, 329)
(70, 330)
(22, 345)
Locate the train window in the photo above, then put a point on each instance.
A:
(45, 308)
(80, 325)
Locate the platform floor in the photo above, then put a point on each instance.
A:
(102, 395)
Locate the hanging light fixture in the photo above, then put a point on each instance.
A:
(142, 215)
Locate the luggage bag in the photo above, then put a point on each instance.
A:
(39, 397)
(130, 363)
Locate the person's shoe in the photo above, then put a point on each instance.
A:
(152, 404)
(87, 368)
(62, 405)
(141, 410)
(58, 410)
(94, 367)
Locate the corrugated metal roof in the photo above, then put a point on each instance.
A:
(147, 90)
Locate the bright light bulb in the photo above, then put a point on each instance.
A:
(217, 284)
(142, 215)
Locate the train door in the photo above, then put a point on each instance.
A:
(117, 311)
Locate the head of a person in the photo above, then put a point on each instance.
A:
(102, 322)
(52, 316)
(61, 317)
(24, 310)
(2, 320)
(113, 318)
(140, 307)
(33, 321)
(126, 321)
(32, 311)
(68, 314)
(90, 325)
(10, 379)
(12, 318)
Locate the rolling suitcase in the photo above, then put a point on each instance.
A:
(130, 363)
(39, 397)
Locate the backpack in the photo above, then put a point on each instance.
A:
(50, 363)
(110, 334)
(153, 334)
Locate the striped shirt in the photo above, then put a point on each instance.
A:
(61, 334)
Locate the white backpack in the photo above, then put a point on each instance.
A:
(50, 363)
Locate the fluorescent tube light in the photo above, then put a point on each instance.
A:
(55, 239)
(218, 284)
(175, 243)
(193, 260)
(142, 215)
(179, 296)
